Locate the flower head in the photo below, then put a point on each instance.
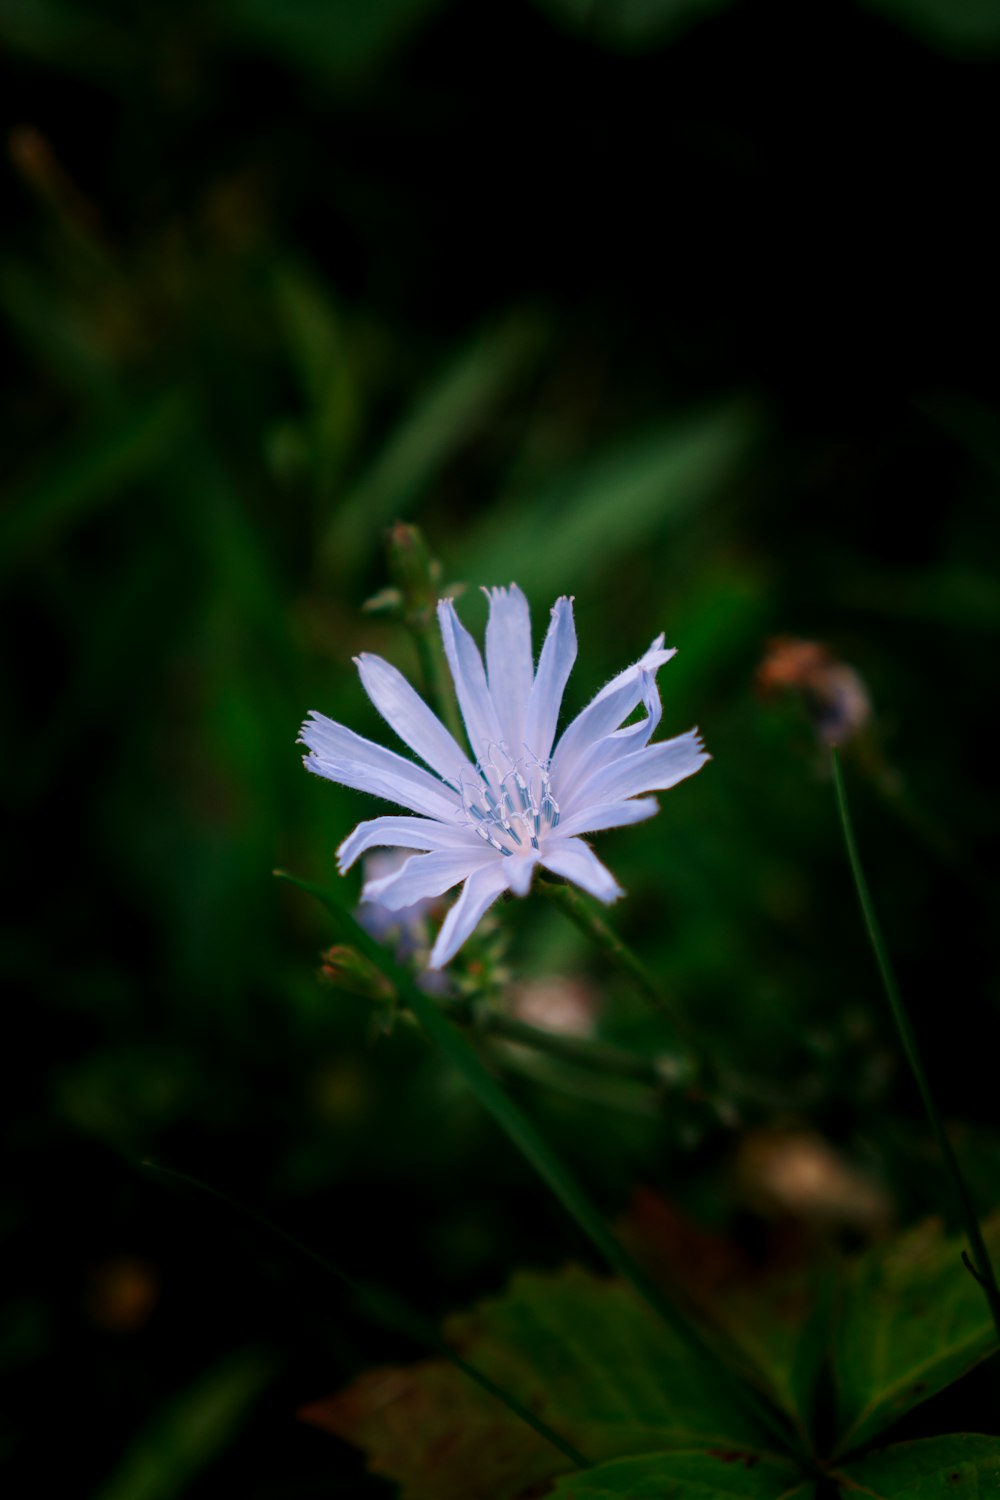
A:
(486, 820)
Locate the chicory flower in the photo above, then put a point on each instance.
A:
(485, 821)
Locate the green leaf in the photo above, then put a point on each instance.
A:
(690, 1474)
(441, 421)
(187, 1435)
(913, 1320)
(579, 1351)
(333, 38)
(962, 26)
(613, 503)
(962, 1464)
(632, 25)
(99, 470)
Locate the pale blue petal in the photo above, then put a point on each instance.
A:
(407, 713)
(425, 876)
(603, 714)
(593, 818)
(467, 672)
(570, 772)
(509, 662)
(572, 859)
(554, 667)
(650, 661)
(345, 757)
(478, 894)
(405, 833)
(519, 870)
(650, 770)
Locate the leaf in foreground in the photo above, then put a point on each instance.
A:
(581, 1352)
(913, 1320)
(691, 1474)
(962, 1465)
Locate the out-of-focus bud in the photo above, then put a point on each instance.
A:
(834, 695)
(121, 1293)
(796, 1174)
(415, 574)
(565, 1006)
(416, 588)
(345, 968)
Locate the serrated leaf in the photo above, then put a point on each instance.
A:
(912, 1321)
(579, 1351)
(962, 1464)
(692, 1474)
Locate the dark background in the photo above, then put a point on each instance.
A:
(686, 309)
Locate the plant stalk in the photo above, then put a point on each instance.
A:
(545, 1162)
(581, 911)
(980, 1255)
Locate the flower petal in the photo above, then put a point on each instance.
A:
(345, 757)
(406, 833)
(653, 769)
(425, 876)
(467, 672)
(508, 661)
(519, 870)
(478, 894)
(572, 859)
(554, 667)
(608, 709)
(592, 818)
(572, 770)
(407, 713)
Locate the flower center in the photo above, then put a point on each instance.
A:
(510, 804)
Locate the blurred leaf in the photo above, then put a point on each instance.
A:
(98, 470)
(185, 1437)
(952, 25)
(912, 1321)
(632, 24)
(962, 1463)
(777, 1315)
(333, 37)
(54, 33)
(579, 1351)
(447, 416)
(611, 505)
(319, 349)
(697, 1474)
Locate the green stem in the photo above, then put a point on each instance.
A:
(576, 905)
(594, 1057)
(434, 671)
(415, 574)
(983, 1265)
(541, 1157)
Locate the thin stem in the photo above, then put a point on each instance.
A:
(544, 1160)
(415, 574)
(983, 1264)
(594, 1057)
(585, 915)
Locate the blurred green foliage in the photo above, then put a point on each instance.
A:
(687, 310)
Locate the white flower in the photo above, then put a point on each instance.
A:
(487, 820)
